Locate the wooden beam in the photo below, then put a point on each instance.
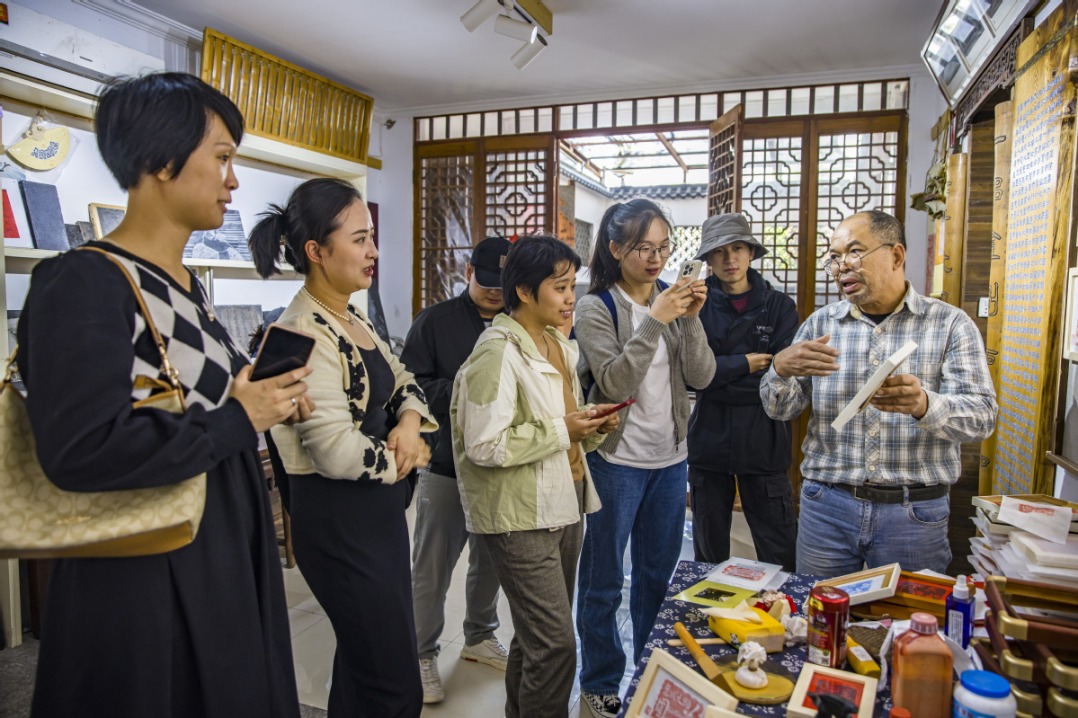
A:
(540, 13)
(673, 153)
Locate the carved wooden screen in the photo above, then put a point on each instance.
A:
(518, 186)
(724, 163)
(772, 168)
(801, 177)
(445, 214)
(858, 169)
(466, 191)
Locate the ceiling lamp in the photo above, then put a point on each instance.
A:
(528, 51)
(524, 31)
(480, 13)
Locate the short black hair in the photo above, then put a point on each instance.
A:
(885, 227)
(154, 122)
(532, 260)
(311, 213)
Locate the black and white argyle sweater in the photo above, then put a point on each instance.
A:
(198, 346)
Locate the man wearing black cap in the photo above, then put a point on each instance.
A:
(440, 339)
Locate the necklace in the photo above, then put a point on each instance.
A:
(346, 317)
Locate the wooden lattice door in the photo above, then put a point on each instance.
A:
(724, 163)
(469, 190)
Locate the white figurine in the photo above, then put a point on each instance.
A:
(749, 657)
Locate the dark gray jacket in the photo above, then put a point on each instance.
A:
(618, 358)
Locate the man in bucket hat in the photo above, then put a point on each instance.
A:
(439, 341)
(734, 447)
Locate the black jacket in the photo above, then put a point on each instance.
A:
(440, 339)
(728, 431)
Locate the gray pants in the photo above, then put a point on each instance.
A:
(537, 570)
(440, 535)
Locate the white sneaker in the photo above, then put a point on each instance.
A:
(600, 706)
(432, 682)
(490, 651)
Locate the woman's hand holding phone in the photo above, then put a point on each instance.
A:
(582, 424)
(270, 401)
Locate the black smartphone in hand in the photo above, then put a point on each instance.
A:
(281, 351)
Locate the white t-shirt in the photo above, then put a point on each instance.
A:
(648, 439)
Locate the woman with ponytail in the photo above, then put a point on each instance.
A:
(638, 339)
(344, 465)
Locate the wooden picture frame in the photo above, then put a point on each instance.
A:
(869, 585)
(1070, 322)
(105, 218)
(668, 681)
(856, 688)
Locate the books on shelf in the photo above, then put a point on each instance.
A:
(991, 504)
(1047, 553)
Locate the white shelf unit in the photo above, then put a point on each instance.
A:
(21, 260)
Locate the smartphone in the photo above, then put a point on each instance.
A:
(691, 268)
(616, 407)
(282, 350)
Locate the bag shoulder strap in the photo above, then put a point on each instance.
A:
(166, 365)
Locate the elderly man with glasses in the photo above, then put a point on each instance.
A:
(876, 491)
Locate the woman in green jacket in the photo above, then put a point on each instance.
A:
(519, 437)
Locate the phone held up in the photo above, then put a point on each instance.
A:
(282, 350)
(690, 269)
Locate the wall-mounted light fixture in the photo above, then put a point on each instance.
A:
(480, 13)
(524, 31)
(528, 51)
(533, 14)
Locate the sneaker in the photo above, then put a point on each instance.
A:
(490, 651)
(600, 706)
(432, 682)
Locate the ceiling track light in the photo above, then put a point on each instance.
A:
(527, 52)
(524, 31)
(479, 13)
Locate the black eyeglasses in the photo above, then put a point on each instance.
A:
(646, 251)
(851, 259)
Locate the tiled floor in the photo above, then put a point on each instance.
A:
(472, 690)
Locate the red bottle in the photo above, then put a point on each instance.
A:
(923, 678)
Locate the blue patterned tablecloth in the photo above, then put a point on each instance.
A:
(689, 573)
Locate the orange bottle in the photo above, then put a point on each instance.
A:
(923, 677)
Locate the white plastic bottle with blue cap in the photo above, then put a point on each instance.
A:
(981, 694)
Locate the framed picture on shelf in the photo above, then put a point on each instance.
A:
(870, 585)
(226, 242)
(105, 218)
(816, 681)
(1070, 322)
(671, 688)
(16, 226)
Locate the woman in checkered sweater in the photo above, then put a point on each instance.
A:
(202, 630)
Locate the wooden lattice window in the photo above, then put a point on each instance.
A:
(445, 199)
(771, 202)
(517, 193)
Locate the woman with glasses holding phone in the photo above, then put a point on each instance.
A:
(642, 339)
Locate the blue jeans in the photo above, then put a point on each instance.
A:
(839, 534)
(649, 506)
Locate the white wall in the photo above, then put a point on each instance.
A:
(926, 106)
(391, 188)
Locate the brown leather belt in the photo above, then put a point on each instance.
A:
(894, 494)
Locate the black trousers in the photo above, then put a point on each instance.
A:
(767, 501)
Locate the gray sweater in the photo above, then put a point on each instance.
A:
(618, 358)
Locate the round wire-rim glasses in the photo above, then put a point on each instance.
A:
(851, 259)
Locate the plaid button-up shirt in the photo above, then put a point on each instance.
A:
(886, 448)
